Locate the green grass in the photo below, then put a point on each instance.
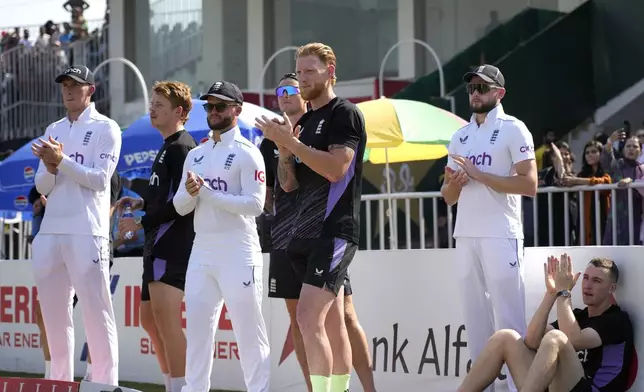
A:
(133, 385)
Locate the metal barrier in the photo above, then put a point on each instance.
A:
(14, 243)
(29, 97)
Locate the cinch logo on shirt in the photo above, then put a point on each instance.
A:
(78, 158)
(526, 149)
(217, 184)
(108, 156)
(484, 159)
(154, 179)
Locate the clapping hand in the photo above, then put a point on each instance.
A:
(457, 178)
(194, 183)
(560, 272)
(281, 131)
(50, 152)
(467, 166)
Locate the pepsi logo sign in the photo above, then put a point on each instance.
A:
(21, 202)
(28, 173)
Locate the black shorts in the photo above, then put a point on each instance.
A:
(584, 385)
(159, 270)
(283, 280)
(322, 262)
(76, 296)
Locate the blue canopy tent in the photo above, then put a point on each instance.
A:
(141, 141)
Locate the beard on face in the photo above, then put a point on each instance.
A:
(221, 125)
(314, 92)
(485, 107)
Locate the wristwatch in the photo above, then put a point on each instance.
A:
(564, 293)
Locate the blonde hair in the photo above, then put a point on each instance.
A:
(322, 51)
(179, 95)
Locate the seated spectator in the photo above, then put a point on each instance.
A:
(592, 173)
(583, 351)
(623, 171)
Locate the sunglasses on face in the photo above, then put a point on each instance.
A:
(480, 87)
(219, 107)
(286, 90)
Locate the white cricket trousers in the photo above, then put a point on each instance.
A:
(62, 264)
(208, 285)
(493, 290)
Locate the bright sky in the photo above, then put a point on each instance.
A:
(14, 13)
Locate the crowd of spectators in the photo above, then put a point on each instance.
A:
(28, 66)
(606, 159)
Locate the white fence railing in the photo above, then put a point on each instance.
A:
(428, 222)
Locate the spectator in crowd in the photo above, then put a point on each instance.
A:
(557, 166)
(640, 136)
(623, 171)
(548, 139)
(592, 173)
(43, 38)
(25, 41)
(70, 5)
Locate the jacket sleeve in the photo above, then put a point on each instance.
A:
(605, 179)
(253, 188)
(44, 180)
(183, 202)
(167, 212)
(106, 156)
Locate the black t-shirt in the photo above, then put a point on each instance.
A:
(607, 366)
(284, 203)
(168, 235)
(328, 209)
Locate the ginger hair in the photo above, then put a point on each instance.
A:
(179, 95)
(322, 51)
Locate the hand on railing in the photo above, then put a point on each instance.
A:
(624, 182)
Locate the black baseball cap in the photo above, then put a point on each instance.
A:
(225, 91)
(79, 73)
(489, 73)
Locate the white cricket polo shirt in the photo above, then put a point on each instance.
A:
(495, 147)
(78, 196)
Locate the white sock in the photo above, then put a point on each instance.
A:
(47, 369)
(88, 372)
(177, 383)
(166, 380)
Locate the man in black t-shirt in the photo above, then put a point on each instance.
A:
(283, 280)
(168, 235)
(587, 350)
(324, 165)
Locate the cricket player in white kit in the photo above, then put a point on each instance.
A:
(491, 165)
(224, 183)
(71, 251)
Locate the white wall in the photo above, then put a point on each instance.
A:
(407, 301)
